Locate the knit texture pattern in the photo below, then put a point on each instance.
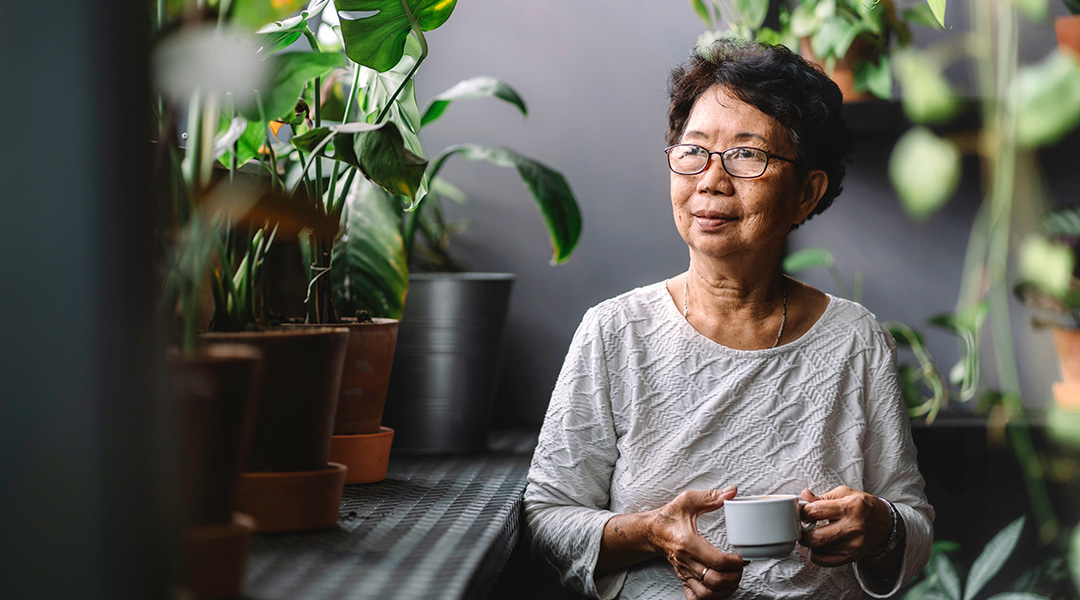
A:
(646, 407)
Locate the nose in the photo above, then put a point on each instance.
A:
(714, 179)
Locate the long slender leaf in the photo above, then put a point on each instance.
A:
(808, 258)
(548, 188)
(992, 558)
(476, 87)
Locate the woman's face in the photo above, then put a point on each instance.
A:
(721, 216)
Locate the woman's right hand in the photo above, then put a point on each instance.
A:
(706, 572)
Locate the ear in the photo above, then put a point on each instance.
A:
(813, 188)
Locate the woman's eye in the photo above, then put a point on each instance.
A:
(745, 153)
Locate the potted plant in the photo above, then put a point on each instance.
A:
(288, 483)
(1022, 107)
(385, 224)
(851, 39)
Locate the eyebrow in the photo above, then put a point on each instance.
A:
(739, 136)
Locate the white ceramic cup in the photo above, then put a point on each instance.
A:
(763, 527)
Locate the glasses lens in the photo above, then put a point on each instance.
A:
(687, 159)
(745, 162)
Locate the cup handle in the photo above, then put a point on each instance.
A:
(803, 525)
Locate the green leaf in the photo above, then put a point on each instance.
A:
(804, 21)
(808, 258)
(938, 8)
(281, 34)
(948, 577)
(247, 146)
(377, 150)
(992, 558)
(375, 30)
(702, 12)
(368, 267)
(921, 14)
(1047, 264)
(380, 87)
(1064, 427)
(927, 95)
(1034, 10)
(833, 38)
(925, 171)
(548, 188)
(874, 76)
(289, 73)
(253, 14)
(477, 87)
(1048, 100)
(1018, 596)
(753, 12)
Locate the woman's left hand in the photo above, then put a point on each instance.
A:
(858, 523)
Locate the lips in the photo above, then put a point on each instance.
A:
(712, 219)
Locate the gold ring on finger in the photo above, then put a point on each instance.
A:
(703, 572)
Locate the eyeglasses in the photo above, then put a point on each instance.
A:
(743, 162)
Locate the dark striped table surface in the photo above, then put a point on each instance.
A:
(437, 527)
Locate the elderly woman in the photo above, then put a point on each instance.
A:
(731, 377)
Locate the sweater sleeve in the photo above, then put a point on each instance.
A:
(891, 468)
(568, 493)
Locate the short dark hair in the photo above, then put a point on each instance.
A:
(780, 84)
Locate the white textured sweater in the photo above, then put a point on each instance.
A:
(646, 407)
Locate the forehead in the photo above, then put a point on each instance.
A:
(720, 116)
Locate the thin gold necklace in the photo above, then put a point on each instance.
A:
(686, 306)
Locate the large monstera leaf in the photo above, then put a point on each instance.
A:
(368, 269)
(375, 30)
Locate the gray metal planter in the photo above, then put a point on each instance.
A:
(447, 361)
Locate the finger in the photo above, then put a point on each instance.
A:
(722, 580)
(698, 502)
(837, 492)
(824, 510)
(808, 496)
(831, 559)
(695, 589)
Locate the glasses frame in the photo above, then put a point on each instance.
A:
(721, 153)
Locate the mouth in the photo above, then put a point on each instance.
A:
(711, 219)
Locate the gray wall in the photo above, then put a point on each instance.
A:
(594, 73)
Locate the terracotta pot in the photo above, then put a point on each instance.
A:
(1067, 29)
(215, 557)
(843, 73)
(296, 501)
(217, 392)
(366, 455)
(365, 376)
(301, 380)
(1067, 342)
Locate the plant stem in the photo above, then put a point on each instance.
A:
(419, 33)
(998, 82)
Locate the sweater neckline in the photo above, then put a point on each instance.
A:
(670, 312)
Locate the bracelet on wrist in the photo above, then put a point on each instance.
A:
(890, 543)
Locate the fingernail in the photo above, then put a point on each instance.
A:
(730, 488)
